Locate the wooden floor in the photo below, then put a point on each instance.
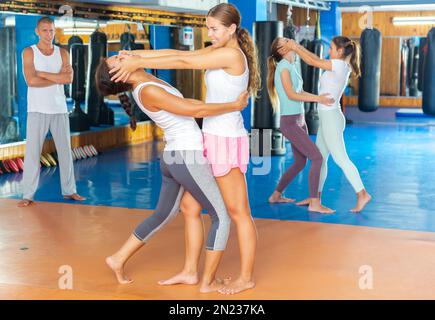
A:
(296, 260)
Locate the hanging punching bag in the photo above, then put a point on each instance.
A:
(403, 68)
(429, 75)
(413, 77)
(312, 116)
(74, 39)
(98, 111)
(422, 50)
(306, 73)
(79, 121)
(369, 83)
(263, 117)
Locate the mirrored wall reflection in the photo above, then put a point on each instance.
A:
(411, 66)
(8, 86)
(17, 33)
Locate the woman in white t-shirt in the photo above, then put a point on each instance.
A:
(344, 58)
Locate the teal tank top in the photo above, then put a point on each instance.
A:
(287, 106)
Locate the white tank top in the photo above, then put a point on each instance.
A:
(49, 100)
(180, 132)
(222, 88)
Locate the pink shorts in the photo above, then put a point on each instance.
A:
(226, 153)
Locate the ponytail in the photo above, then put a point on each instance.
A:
(125, 103)
(352, 49)
(355, 59)
(250, 50)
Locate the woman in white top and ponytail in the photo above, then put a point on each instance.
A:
(231, 64)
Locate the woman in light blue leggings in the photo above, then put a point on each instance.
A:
(344, 59)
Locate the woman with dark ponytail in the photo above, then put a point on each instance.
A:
(285, 87)
(344, 58)
(183, 165)
(232, 67)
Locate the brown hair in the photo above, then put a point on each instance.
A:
(272, 61)
(106, 86)
(228, 14)
(350, 48)
(45, 19)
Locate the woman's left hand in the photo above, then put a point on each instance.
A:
(126, 66)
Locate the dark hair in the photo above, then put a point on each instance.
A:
(45, 19)
(106, 86)
(228, 14)
(272, 61)
(350, 48)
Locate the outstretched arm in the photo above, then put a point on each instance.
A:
(160, 99)
(302, 96)
(221, 58)
(306, 55)
(164, 52)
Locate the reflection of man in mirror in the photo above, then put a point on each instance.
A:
(46, 70)
(8, 130)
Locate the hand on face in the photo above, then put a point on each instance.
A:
(286, 46)
(123, 66)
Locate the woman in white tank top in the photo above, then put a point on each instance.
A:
(231, 64)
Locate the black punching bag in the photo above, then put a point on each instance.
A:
(265, 123)
(369, 83)
(306, 73)
(73, 40)
(413, 76)
(98, 111)
(79, 121)
(312, 116)
(429, 75)
(422, 50)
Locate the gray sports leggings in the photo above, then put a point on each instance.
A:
(293, 127)
(188, 170)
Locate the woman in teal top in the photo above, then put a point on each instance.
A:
(284, 85)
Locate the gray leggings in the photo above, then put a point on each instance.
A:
(188, 170)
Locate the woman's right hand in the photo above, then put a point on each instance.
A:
(326, 99)
(242, 101)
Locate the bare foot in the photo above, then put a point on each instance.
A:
(75, 197)
(181, 278)
(118, 269)
(237, 286)
(277, 197)
(214, 286)
(305, 202)
(363, 199)
(317, 207)
(24, 203)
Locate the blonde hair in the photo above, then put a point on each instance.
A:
(272, 62)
